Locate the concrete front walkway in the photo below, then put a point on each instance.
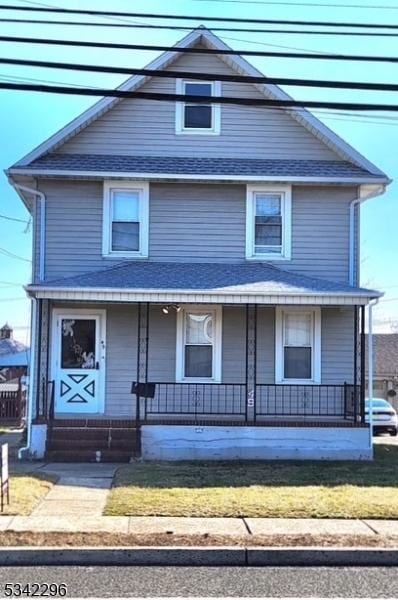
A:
(81, 489)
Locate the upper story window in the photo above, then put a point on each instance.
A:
(198, 117)
(298, 345)
(268, 223)
(125, 219)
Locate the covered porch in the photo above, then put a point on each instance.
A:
(288, 358)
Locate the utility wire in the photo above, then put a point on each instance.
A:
(14, 219)
(325, 113)
(120, 46)
(316, 4)
(12, 255)
(169, 74)
(118, 93)
(177, 17)
(187, 28)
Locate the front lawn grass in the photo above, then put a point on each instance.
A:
(347, 489)
(26, 490)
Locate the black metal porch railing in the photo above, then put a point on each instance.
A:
(45, 401)
(290, 400)
(195, 400)
(165, 401)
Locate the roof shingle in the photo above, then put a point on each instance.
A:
(178, 165)
(260, 278)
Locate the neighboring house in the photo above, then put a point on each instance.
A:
(14, 355)
(385, 374)
(210, 255)
(14, 360)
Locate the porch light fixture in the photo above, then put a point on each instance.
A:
(168, 307)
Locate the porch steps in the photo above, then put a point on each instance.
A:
(93, 441)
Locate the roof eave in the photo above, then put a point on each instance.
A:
(67, 173)
(194, 295)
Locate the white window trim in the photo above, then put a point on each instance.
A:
(286, 210)
(143, 190)
(216, 312)
(316, 354)
(216, 110)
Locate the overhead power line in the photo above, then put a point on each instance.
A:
(316, 4)
(177, 17)
(12, 255)
(324, 113)
(392, 87)
(118, 93)
(120, 46)
(14, 219)
(188, 28)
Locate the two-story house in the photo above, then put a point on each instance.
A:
(195, 283)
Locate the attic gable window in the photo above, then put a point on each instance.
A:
(197, 117)
(125, 219)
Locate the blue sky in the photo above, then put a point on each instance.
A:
(26, 119)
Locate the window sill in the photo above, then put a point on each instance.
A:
(298, 382)
(125, 255)
(268, 257)
(197, 132)
(197, 380)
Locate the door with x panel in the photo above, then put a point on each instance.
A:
(79, 361)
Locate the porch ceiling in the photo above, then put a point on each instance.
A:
(258, 283)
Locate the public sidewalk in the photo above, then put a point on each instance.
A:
(232, 527)
(76, 502)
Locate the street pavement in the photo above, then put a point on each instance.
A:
(221, 582)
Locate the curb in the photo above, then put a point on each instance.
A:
(197, 556)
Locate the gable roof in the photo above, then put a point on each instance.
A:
(239, 64)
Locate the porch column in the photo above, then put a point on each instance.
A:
(363, 382)
(251, 361)
(142, 348)
(42, 395)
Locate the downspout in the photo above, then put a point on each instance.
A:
(370, 369)
(366, 192)
(33, 336)
(32, 379)
(42, 241)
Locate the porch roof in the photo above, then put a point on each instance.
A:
(177, 167)
(201, 282)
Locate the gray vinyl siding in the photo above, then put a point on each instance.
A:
(121, 359)
(266, 344)
(147, 127)
(162, 345)
(196, 222)
(337, 345)
(234, 344)
(204, 223)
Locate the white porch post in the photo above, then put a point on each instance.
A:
(370, 369)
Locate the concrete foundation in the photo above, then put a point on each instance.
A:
(38, 441)
(180, 442)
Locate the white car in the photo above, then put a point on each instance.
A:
(385, 418)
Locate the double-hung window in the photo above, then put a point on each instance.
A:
(298, 345)
(268, 223)
(199, 344)
(197, 116)
(125, 219)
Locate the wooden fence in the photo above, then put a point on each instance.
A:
(12, 407)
